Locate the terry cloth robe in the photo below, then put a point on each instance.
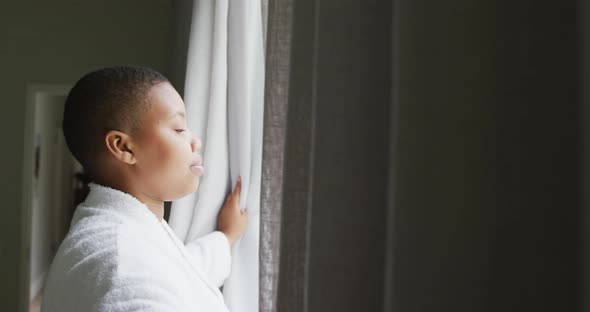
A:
(118, 256)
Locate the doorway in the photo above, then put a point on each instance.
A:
(48, 185)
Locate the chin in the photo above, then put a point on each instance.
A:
(182, 190)
(193, 186)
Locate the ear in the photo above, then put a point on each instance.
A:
(119, 145)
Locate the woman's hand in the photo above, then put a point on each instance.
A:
(231, 220)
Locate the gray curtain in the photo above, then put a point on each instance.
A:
(277, 37)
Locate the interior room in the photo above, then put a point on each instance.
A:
(397, 155)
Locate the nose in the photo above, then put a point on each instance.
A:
(195, 144)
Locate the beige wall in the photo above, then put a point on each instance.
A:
(56, 42)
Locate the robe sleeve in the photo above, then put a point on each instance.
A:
(212, 253)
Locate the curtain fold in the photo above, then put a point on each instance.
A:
(224, 89)
(278, 47)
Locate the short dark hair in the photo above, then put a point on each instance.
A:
(111, 98)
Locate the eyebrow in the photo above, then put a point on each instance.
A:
(177, 113)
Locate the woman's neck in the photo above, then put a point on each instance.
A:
(154, 204)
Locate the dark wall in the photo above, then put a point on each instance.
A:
(56, 43)
(486, 183)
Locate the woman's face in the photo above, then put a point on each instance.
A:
(168, 166)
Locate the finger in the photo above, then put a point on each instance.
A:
(231, 194)
(238, 188)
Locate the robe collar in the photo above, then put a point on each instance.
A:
(104, 197)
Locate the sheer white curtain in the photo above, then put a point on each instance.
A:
(224, 91)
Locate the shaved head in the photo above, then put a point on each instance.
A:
(112, 98)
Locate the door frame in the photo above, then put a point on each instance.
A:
(32, 91)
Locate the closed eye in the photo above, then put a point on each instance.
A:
(180, 130)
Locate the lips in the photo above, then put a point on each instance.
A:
(197, 166)
(198, 170)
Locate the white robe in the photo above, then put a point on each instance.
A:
(119, 257)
